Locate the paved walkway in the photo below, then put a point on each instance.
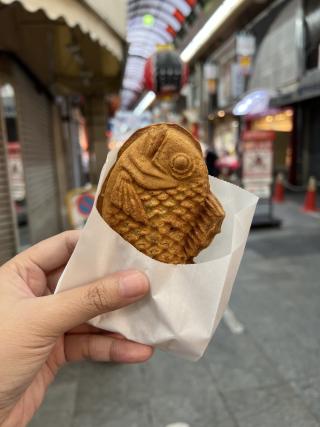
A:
(268, 375)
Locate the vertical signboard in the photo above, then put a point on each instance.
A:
(245, 48)
(257, 171)
(257, 162)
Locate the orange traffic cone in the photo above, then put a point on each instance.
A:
(310, 201)
(278, 195)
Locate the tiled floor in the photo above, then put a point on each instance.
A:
(268, 376)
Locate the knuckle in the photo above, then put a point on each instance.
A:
(88, 351)
(99, 297)
(114, 351)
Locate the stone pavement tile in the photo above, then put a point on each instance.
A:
(58, 407)
(137, 417)
(108, 381)
(259, 308)
(289, 345)
(109, 391)
(262, 279)
(299, 309)
(269, 407)
(309, 391)
(168, 374)
(237, 363)
(284, 321)
(121, 415)
(288, 245)
(305, 271)
(70, 372)
(203, 410)
(291, 215)
(293, 360)
(279, 306)
(282, 313)
(182, 391)
(82, 420)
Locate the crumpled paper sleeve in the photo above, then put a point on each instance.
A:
(186, 302)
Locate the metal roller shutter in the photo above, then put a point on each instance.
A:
(35, 132)
(7, 229)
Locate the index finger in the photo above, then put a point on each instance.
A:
(54, 252)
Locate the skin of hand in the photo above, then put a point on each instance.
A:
(40, 332)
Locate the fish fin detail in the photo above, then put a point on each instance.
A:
(154, 140)
(124, 196)
(207, 226)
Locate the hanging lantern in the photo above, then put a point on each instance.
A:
(165, 73)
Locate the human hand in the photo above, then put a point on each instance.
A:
(39, 332)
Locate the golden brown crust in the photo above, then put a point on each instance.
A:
(157, 127)
(157, 195)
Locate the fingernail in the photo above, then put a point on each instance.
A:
(133, 284)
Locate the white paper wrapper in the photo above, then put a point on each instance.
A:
(186, 302)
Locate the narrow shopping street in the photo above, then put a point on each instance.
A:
(268, 375)
(116, 118)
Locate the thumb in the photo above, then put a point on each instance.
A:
(71, 308)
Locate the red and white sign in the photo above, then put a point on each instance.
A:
(257, 162)
(15, 165)
(79, 204)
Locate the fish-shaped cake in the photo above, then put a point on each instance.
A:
(157, 195)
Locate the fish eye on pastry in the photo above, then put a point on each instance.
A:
(181, 163)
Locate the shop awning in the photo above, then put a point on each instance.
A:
(116, 17)
(80, 13)
(67, 45)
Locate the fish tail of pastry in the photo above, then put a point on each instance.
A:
(208, 225)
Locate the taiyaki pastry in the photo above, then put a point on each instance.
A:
(157, 195)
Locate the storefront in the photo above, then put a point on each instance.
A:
(304, 99)
(225, 143)
(305, 149)
(226, 133)
(280, 121)
(226, 71)
(49, 71)
(280, 72)
(30, 156)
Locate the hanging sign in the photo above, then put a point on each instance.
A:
(245, 44)
(245, 49)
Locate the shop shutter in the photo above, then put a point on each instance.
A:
(7, 230)
(280, 67)
(34, 114)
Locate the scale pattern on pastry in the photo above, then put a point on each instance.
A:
(157, 195)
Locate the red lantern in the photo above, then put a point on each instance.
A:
(165, 73)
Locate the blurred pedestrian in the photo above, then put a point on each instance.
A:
(40, 332)
(211, 162)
